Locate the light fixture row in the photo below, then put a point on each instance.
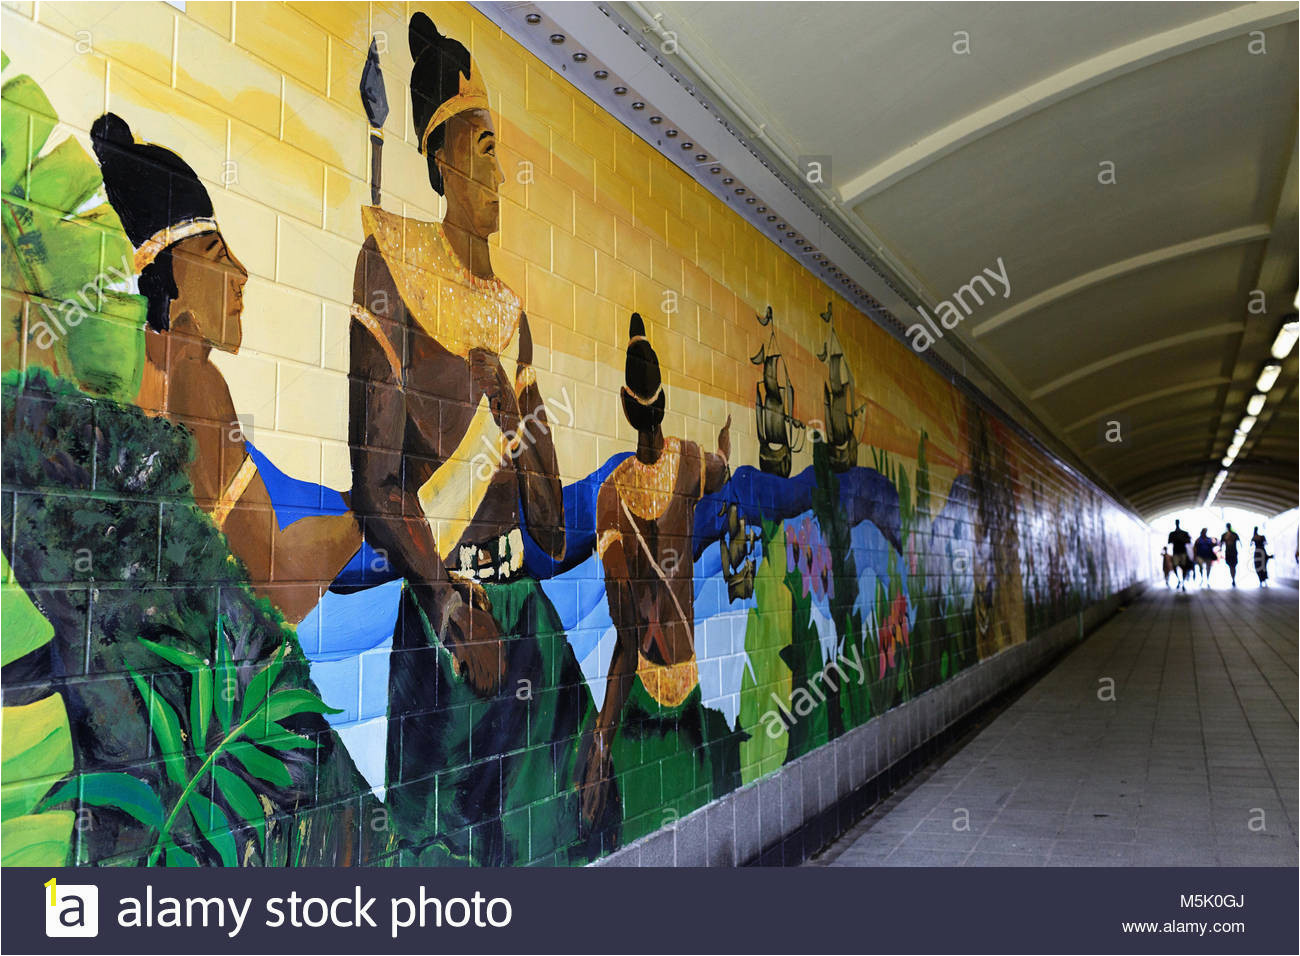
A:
(1219, 479)
(721, 181)
(1283, 343)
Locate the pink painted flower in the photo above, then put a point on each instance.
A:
(892, 633)
(806, 549)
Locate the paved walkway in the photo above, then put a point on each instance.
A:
(1194, 761)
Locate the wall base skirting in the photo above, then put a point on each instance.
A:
(790, 815)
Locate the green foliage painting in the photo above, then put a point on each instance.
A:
(37, 747)
(66, 260)
(229, 735)
(261, 735)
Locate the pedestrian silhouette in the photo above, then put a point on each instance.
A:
(1262, 557)
(1205, 556)
(1179, 541)
(1230, 541)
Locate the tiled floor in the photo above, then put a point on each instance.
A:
(1193, 761)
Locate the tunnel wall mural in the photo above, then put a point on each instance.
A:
(483, 493)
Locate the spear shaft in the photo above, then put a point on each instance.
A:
(374, 97)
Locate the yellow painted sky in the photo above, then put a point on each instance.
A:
(595, 224)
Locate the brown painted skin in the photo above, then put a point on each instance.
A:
(289, 567)
(645, 616)
(399, 438)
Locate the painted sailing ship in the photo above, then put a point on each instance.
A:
(779, 432)
(736, 545)
(841, 397)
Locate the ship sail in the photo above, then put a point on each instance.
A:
(840, 401)
(779, 432)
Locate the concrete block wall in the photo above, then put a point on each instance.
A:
(191, 487)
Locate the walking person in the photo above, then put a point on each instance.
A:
(1205, 556)
(1178, 542)
(1166, 565)
(1260, 544)
(1230, 541)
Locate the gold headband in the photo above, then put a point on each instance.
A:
(644, 401)
(150, 249)
(472, 95)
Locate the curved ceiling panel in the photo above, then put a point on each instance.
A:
(1131, 165)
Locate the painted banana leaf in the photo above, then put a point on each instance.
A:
(35, 749)
(66, 257)
(25, 627)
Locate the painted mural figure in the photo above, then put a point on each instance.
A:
(841, 396)
(999, 591)
(194, 286)
(645, 528)
(779, 432)
(450, 441)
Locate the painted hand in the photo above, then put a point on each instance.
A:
(489, 378)
(472, 636)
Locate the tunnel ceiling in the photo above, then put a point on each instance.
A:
(1131, 300)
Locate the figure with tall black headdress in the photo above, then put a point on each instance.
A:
(194, 287)
(645, 523)
(441, 379)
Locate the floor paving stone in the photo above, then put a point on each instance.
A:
(1193, 763)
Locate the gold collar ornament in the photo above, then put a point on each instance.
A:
(456, 308)
(648, 489)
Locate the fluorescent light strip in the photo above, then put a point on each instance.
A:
(1285, 341)
(1267, 377)
(1255, 405)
